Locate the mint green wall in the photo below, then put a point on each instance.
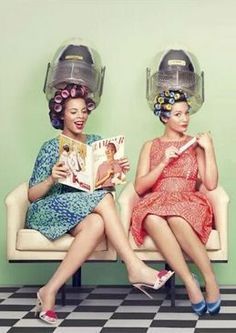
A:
(127, 33)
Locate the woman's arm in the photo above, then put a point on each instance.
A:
(145, 178)
(109, 174)
(206, 159)
(41, 189)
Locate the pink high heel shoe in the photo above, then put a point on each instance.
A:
(49, 316)
(162, 278)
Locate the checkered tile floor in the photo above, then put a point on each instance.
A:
(114, 309)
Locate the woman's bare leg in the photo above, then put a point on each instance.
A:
(137, 270)
(194, 248)
(159, 230)
(87, 235)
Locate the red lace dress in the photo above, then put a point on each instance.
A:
(174, 193)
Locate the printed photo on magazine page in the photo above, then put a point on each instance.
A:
(107, 169)
(92, 166)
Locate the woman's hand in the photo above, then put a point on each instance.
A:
(204, 140)
(170, 154)
(207, 165)
(110, 172)
(124, 164)
(59, 171)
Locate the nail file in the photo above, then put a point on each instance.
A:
(187, 145)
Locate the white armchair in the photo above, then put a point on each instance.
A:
(27, 245)
(217, 245)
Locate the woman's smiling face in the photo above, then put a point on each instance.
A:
(179, 117)
(75, 116)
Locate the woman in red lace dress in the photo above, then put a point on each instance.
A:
(171, 211)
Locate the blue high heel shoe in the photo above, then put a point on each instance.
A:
(199, 308)
(214, 307)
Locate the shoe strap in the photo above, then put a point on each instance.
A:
(162, 273)
(49, 313)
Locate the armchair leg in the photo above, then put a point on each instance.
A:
(76, 279)
(63, 295)
(76, 282)
(172, 290)
(170, 284)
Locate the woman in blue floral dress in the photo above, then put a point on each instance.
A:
(57, 209)
(63, 206)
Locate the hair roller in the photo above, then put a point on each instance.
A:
(58, 99)
(91, 105)
(57, 107)
(65, 93)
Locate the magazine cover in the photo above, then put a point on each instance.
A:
(106, 156)
(92, 166)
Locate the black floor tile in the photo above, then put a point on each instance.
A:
(173, 323)
(83, 323)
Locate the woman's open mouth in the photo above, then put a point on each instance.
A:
(79, 124)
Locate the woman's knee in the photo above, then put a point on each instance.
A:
(175, 221)
(180, 226)
(93, 222)
(106, 202)
(153, 221)
(96, 224)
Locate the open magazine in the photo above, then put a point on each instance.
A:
(92, 166)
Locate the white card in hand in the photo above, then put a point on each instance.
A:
(187, 145)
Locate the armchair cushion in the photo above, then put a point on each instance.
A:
(213, 242)
(32, 240)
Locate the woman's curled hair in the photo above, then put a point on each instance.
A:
(57, 103)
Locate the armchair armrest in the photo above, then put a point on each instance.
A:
(219, 201)
(16, 204)
(127, 200)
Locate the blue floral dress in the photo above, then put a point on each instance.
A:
(63, 207)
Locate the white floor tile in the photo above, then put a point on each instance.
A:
(216, 324)
(35, 323)
(19, 301)
(78, 330)
(170, 330)
(4, 329)
(128, 323)
(120, 290)
(142, 296)
(143, 309)
(175, 316)
(178, 302)
(5, 295)
(102, 302)
(89, 315)
(228, 309)
(12, 314)
(76, 295)
(66, 308)
(28, 290)
(228, 297)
